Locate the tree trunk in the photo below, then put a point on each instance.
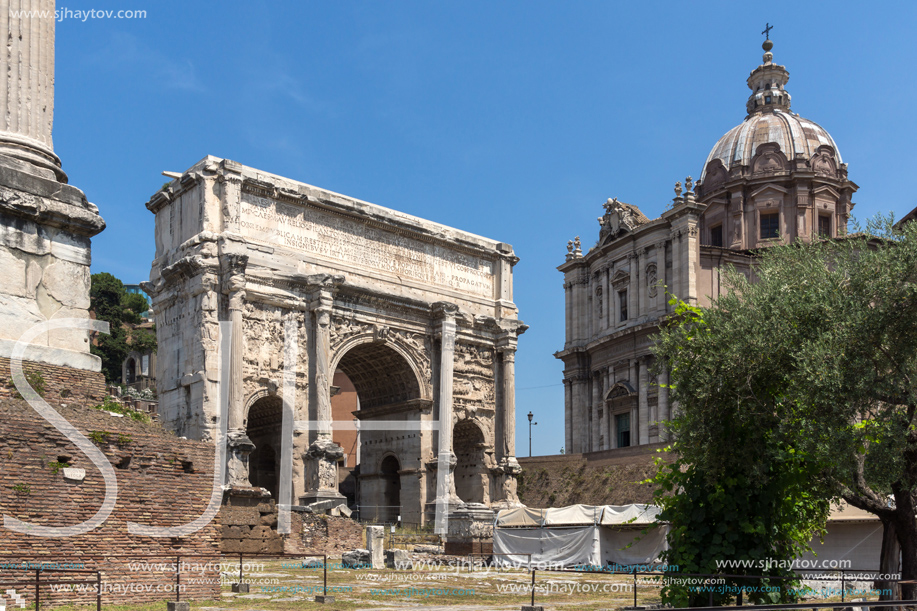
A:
(906, 529)
(889, 562)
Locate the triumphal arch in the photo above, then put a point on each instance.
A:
(419, 316)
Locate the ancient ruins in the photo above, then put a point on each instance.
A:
(419, 316)
(45, 224)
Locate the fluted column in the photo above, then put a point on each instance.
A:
(322, 377)
(27, 103)
(509, 467)
(322, 456)
(447, 327)
(596, 405)
(568, 416)
(509, 402)
(642, 402)
(238, 443)
(663, 410)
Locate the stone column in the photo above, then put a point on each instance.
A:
(633, 289)
(568, 416)
(596, 405)
(676, 265)
(446, 313)
(509, 468)
(46, 226)
(642, 297)
(609, 433)
(323, 455)
(609, 300)
(635, 411)
(238, 443)
(27, 106)
(568, 311)
(663, 410)
(691, 261)
(642, 403)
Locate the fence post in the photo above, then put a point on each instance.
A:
(325, 566)
(37, 593)
(98, 591)
(177, 578)
(240, 568)
(635, 587)
(843, 585)
(533, 588)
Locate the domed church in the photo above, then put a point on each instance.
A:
(774, 177)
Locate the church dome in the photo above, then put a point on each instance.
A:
(770, 120)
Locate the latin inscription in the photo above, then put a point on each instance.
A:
(348, 241)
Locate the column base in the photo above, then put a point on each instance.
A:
(471, 530)
(318, 496)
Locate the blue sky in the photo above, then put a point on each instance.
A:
(513, 120)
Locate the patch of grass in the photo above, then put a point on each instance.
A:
(21, 488)
(56, 466)
(35, 380)
(110, 405)
(99, 437)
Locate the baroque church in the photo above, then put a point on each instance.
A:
(775, 176)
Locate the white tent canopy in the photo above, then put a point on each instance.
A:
(585, 535)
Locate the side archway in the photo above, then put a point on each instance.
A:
(472, 481)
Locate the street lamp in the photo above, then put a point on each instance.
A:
(530, 433)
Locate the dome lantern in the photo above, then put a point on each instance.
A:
(767, 83)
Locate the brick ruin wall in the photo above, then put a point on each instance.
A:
(162, 481)
(63, 384)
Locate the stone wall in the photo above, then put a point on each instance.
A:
(251, 528)
(63, 384)
(162, 481)
(609, 477)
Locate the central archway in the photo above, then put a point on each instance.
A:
(381, 375)
(391, 489)
(388, 388)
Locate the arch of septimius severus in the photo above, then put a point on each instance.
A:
(419, 316)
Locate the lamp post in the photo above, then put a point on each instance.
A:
(530, 433)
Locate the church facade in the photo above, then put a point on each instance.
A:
(774, 177)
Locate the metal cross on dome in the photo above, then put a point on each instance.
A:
(767, 30)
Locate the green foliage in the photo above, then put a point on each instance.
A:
(21, 488)
(113, 304)
(110, 405)
(123, 440)
(794, 389)
(35, 380)
(56, 466)
(737, 517)
(99, 437)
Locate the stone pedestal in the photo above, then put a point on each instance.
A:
(507, 473)
(178, 605)
(471, 530)
(240, 588)
(375, 536)
(239, 448)
(321, 460)
(325, 600)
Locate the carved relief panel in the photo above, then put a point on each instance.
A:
(473, 384)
